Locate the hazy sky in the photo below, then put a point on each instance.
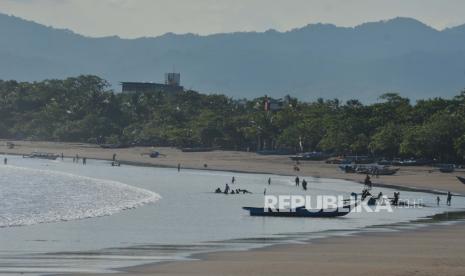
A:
(135, 18)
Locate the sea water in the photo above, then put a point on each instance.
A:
(59, 216)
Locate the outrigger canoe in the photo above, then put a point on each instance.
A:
(300, 212)
(42, 155)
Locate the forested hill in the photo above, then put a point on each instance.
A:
(318, 60)
(82, 109)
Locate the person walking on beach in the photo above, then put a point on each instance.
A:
(368, 181)
(297, 181)
(269, 180)
(449, 198)
(233, 180)
(226, 189)
(438, 199)
(5, 161)
(304, 184)
(62, 156)
(179, 167)
(84, 161)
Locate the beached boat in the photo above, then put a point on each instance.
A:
(461, 179)
(300, 212)
(446, 168)
(42, 155)
(315, 156)
(387, 171)
(363, 169)
(198, 149)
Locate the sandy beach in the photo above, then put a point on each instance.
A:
(422, 177)
(435, 250)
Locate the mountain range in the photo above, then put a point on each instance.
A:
(318, 60)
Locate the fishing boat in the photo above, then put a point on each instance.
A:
(300, 212)
(461, 179)
(42, 155)
(446, 168)
(310, 156)
(364, 169)
(387, 171)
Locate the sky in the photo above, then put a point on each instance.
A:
(138, 18)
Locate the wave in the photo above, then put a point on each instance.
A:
(32, 196)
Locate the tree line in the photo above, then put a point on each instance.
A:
(84, 109)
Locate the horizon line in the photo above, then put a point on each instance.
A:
(311, 24)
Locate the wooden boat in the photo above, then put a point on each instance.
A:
(447, 168)
(461, 179)
(388, 171)
(315, 156)
(300, 212)
(375, 170)
(198, 149)
(42, 155)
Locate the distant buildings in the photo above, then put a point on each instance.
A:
(271, 104)
(172, 85)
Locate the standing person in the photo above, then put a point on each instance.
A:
(226, 189)
(449, 198)
(264, 192)
(297, 181)
(368, 181)
(438, 199)
(179, 167)
(304, 184)
(269, 180)
(62, 156)
(233, 180)
(395, 201)
(84, 161)
(5, 161)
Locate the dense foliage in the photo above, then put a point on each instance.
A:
(83, 109)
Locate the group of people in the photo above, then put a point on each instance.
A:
(304, 183)
(228, 190)
(448, 201)
(76, 159)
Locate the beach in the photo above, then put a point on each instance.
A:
(420, 177)
(434, 250)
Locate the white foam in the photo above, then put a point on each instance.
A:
(31, 196)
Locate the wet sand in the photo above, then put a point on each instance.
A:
(436, 250)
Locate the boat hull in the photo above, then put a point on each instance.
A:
(298, 213)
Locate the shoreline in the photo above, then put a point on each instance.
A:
(401, 187)
(427, 224)
(414, 178)
(257, 261)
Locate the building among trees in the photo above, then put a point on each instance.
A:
(172, 84)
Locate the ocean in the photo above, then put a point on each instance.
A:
(58, 216)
